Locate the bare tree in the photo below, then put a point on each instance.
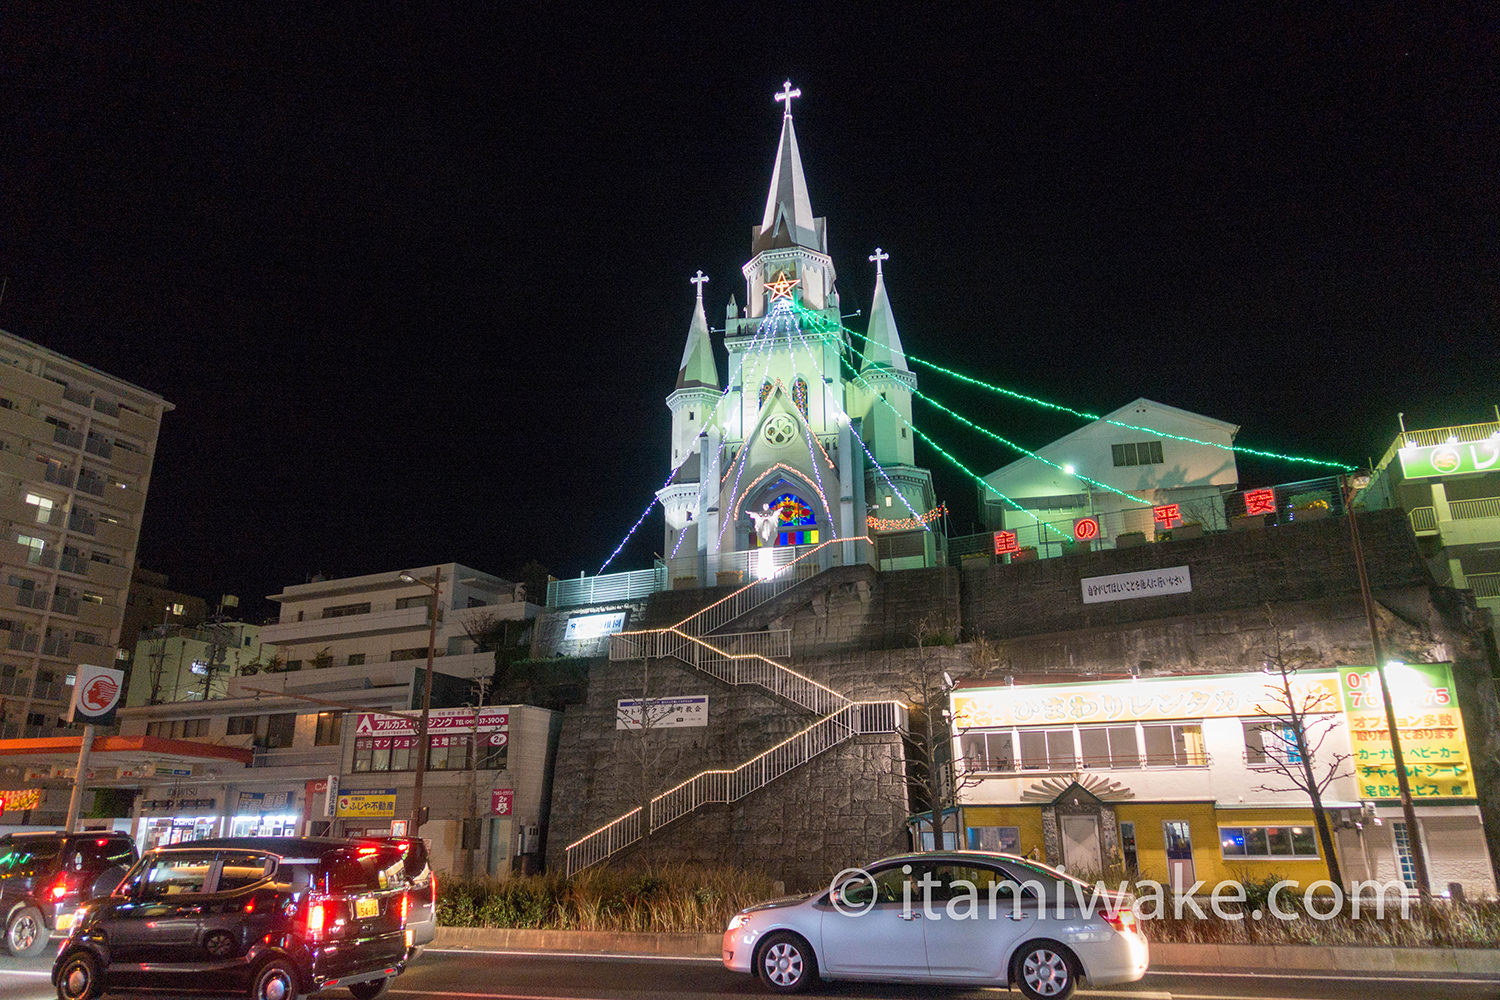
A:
(1299, 718)
(479, 688)
(933, 778)
(644, 747)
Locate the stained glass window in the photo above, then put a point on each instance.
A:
(799, 394)
(794, 513)
(765, 390)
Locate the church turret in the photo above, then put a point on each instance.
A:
(692, 404)
(882, 342)
(887, 385)
(698, 367)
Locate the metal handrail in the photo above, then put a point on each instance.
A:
(714, 659)
(1423, 519)
(1465, 510)
(1483, 585)
(725, 786)
(785, 577)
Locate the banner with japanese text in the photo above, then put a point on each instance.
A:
(1428, 723)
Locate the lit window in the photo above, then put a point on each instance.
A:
(177, 609)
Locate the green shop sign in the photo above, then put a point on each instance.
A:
(1450, 459)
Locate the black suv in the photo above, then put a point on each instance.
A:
(269, 917)
(44, 876)
(421, 919)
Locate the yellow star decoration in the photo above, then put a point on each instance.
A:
(782, 287)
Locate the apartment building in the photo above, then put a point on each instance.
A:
(76, 448)
(334, 707)
(194, 662)
(1447, 480)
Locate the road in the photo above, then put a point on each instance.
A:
(481, 975)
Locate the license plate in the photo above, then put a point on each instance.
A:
(408, 937)
(366, 908)
(64, 921)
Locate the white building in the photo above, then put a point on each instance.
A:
(341, 705)
(813, 424)
(1155, 453)
(194, 662)
(76, 449)
(1179, 778)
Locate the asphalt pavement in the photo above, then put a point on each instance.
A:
(494, 975)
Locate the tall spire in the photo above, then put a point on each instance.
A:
(788, 215)
(698, 365)
(883, 343)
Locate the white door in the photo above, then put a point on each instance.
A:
(878, 927)
(1080, 836)
(1178, 837)
(975, 921)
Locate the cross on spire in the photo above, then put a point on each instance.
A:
(787, 95)
(698, 279)
(879, 257)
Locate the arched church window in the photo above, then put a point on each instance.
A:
(799, 395)
(765, 390)
(796, 523)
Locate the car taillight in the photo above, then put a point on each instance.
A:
(1123, 921)
(317, 917)
(405, 907)
(60, 887)
(432, 880)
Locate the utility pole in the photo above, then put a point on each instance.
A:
(1408, 811)
(436, 586)
(75, 798)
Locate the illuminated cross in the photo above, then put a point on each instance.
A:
(787, 95)
(878, 256)
(698, 279)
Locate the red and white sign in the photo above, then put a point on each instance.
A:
(96, 694)
(1260, 501)
(501, 800)
(1086, 528)
(1006, 543)
(439, 720)
(1167, 515)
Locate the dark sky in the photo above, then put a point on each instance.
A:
(417, 282)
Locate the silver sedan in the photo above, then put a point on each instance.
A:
(962, 917)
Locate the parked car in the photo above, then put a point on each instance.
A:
(44, 876)
(421, 918)
(273, 918)
(929, 918)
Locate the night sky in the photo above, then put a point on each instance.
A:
(417, 282)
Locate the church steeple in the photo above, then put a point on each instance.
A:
(883, 343)
(788, 218)
(698, 367)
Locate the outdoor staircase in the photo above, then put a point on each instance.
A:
(743, 659)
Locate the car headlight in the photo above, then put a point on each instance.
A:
(738, 920)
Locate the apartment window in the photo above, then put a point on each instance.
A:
(1174, 745)
(43, 507)
(241, 725)
(384, 753)
(344, 610)
(34, 544)
(1138, 453)
(194, 727)
(491, 755)
(329, 725)
(416, 653)
(355, 659)
(1270, 743)
(100, 557)
(420, 601)
(294, 664)
(279, 730)
(177, 609)
(1268, 842)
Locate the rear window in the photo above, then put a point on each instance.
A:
(239, 870)
(367, 869)
(27, 858)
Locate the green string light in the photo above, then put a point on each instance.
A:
(1083, 414)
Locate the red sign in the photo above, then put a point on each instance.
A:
(1260, 501)
(1005, 543)
(501, 800)
(1086, 528)
(1166, 515)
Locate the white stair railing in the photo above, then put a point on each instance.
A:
(839, 552)
(724, 786)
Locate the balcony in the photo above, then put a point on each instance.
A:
(18, 466)
(1486, 586)
(76, 565)
(67, 437)
(129, 461)
(116, 536)
(380, 619)
(23, 425)
(58, 476)
(59, 646)
(82, 523)
(17, 597)
(85, 651)
(109, 574)
(105, 616)
(1423, 521)
(137, 425)
(23, 642)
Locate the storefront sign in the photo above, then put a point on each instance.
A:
(20, 800)
(1128, 586)
(662, 713)
(501, 800)
(1450, 459)
(1146, 700)
(378, 803)
(456, 720)
(1428, 722)
(96, 694)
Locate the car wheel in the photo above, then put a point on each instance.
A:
(785, 963)
(371, 990)
(276, 980)
(219, 945)
(79, 977)
(25, 933)
(1045, 970)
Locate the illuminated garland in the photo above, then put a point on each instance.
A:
(920, 521)
(1060, 408)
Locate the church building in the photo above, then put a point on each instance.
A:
(809, 438)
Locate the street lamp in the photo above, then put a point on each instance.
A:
(435, 585)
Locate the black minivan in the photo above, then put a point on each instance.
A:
(45, 875)
(272, 918)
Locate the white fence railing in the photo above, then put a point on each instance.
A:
(801, 563)
(740, 658)
(724, 786)
(1464, 510)
(603, 589)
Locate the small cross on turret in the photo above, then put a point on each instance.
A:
(879, 257)
(698, 279)
(787, 95)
